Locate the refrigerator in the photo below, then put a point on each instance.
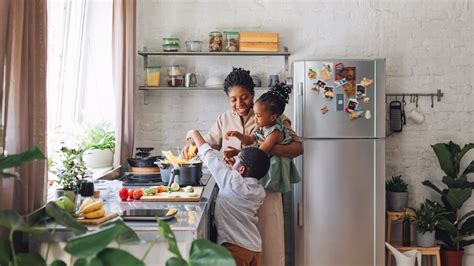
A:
(338, 207)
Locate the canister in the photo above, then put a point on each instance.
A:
(153, 76)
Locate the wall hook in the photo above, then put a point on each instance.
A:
(417, 101)
(403, 100)
(432, 101)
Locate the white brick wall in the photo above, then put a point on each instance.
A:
(428, 46)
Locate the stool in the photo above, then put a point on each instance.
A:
(395, 216)
(431, 251)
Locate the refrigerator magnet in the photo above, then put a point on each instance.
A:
(339, 66)
(324, 109)
(349, 89)
(312, 74)
(366, 82)
(329, 92)
(360, 91)
(366, 99)
(351, 105)
(318, 85)
(326, 72)
(339, 83)
(368, 115)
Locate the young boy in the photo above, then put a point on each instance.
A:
(240, 196)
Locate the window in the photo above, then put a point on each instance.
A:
(79, 80)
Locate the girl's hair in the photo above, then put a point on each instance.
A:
(276, 98)
(239, 77)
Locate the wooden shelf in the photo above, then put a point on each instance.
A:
(284, 52)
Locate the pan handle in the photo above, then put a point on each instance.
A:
(173, 174)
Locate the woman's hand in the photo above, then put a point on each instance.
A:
(229, 161)
(231, 152)
(229, 134)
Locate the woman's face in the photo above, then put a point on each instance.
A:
(241, 100)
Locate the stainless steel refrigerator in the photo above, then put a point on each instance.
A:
(339, 205)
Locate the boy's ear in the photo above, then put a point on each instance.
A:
(241, 169)
(274, 117)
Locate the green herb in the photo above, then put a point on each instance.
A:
(428, 216)
(99, 137)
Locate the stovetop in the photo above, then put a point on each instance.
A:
(132, 179)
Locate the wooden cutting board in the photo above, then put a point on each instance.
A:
(98, 220)
(168, 197)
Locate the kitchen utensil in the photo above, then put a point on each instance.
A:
(273, 80)
(187, 174)
(396, 118)
(165, 171)
(256, 80)
(144, 162)
(190, 80)
(98, 221)
(145, 169)
(146, 214)
(417, 116)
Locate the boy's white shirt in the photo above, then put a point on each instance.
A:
(237, 202)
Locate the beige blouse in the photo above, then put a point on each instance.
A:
(231, 121)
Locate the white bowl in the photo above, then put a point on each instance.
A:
(214, 82)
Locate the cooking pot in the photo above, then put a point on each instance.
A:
(187, 175)
(165, 172)
(144, 162)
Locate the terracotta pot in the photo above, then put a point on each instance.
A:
(452, 258)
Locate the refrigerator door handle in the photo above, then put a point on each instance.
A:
(300, 216)
(300, 89)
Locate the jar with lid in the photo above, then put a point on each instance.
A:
(231, 41)
(215, 41)
(153, 76)
(174, 41)
(175, 76)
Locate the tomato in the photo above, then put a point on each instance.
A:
(130, 193)
(137, 194)
(161, 189)
(123, 194)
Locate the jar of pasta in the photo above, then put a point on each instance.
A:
(153, 76)
(215, 41)
(231, 41)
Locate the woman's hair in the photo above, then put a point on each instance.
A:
(239, 77)
(276, 98)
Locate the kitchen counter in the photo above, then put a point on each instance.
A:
(191, 222)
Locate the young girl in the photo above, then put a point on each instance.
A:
(270, 131)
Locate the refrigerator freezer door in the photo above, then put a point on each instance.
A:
(343, 203)
(335, 122)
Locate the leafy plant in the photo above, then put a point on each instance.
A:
(99, 137)
(428, 216)
(456, 228)
(396, 184)
(71, 170)
(16, 160)
(203, 252)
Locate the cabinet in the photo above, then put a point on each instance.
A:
(283, 53)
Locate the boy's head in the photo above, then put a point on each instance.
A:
(252, 162)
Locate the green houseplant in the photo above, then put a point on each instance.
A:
(397, 194)
(427, 217)
(70, 170)
(98, 143)
(455, 230)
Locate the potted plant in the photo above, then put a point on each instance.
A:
(426, 219)
(455, 229)
(98, 144)
(70, 171)
(397, 194)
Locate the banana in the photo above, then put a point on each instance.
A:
(86, 202)
(91, 207)
(95, 214)
(171, 211)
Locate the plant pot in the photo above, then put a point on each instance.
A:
(98, 158)
(452, 257)
(425, 239)
(397, 201)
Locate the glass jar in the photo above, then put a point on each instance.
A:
(175, 70)
(231, 41)
(170, 47)
(153, 76)
(215, 41)
(175, 81)
(193, 46)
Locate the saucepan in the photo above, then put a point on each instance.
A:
(185, 175)
(144, 162)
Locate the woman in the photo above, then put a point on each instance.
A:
(239, 88)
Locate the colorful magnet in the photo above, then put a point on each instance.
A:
(360, 91)
(349, 73)
(366, 82)
(339, 83)
(318, 86)
(368, 115)
(312, 74)
(324, 109)
(326, 72)
(329, 92)
(339, 66)
(356, 114)
(348, 89)
(351, 105)
(366, 99)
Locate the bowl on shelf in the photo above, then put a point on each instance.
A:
(214, 82)
(193, 46)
